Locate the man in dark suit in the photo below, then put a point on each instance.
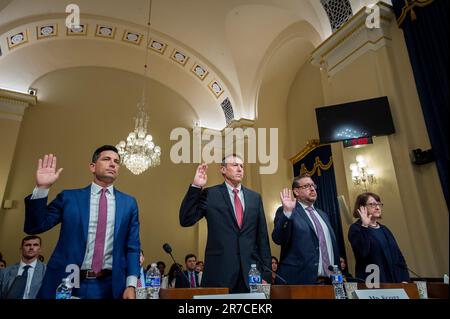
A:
(237, 229)
(23, 280)
(99, 229)
(191, 278)
(308, 243)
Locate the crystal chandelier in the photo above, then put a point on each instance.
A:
(139, 152)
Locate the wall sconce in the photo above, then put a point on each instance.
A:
(361, 174)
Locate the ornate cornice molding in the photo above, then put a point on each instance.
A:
(352, 40)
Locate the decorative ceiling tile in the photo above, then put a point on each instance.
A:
(216, 88)
(47, 31)
(179, 57)
(199, 71)
(105, 31)
(157, 46)
(132, 37)
(81, 30)
(17, 39)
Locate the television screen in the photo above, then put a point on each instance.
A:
(352, 120)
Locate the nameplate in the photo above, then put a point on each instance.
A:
(253, 295)
(380, 294)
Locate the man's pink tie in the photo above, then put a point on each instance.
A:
(99, 247)
(238, 208)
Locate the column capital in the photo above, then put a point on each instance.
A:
(359, 35)
(13, 104)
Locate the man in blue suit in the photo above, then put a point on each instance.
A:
(308, 243)
(99, 230)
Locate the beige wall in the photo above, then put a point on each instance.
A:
(79, 110)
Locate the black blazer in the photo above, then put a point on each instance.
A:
(182, 282)
(300, 254)
(228, 248)
(367, 250)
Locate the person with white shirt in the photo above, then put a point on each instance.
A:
(308, 243)
(23, 280)
(237, 228)
(99, 230)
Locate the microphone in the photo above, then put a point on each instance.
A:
(168, 250)
(256, 256)
(405, 267)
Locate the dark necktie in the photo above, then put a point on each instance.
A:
(322, 242)
(18, 286)
(99, 246)
(192, 279)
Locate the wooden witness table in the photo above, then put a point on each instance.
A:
(188, 293)
(435, 291)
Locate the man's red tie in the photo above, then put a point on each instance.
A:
(238, 208)
(99, 246)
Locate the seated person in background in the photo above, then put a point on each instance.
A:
(374, 243)
(141, 277)
(24, 279)
(161, 267)
(274, 269)
(199, 265)
(169, 280)
(191, 274)
(344, 269)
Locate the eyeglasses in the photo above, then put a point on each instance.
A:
(306, 186)
(373, 205)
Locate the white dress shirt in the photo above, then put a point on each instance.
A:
(326, 233)
(29, 276)
(92, 227)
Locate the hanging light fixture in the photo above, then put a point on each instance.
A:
(139, 152)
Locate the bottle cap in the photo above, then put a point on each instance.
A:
(253, 265)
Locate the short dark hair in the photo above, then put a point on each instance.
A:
(31, 237)
(189, 256)
(162, 263)
(276, 259)
(361, 200)
(199, 262)
(101, 149)
(295, 182)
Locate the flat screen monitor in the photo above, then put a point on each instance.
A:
(352, 120)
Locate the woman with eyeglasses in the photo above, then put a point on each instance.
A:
(374, 243)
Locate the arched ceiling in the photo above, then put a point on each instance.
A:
(233, 40)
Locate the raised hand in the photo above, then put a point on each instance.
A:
(46, 173)
(200, 177)
(287, 201)
(365, 216)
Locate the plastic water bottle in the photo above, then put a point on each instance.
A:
(254, 278)
(338, 283)
(64, 290)
(153, 282)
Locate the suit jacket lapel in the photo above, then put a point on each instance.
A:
(246, 195)
(12, 276)
(226, 197)
(84, 207)
(36, 280)
(302, 214)
(119, 213)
